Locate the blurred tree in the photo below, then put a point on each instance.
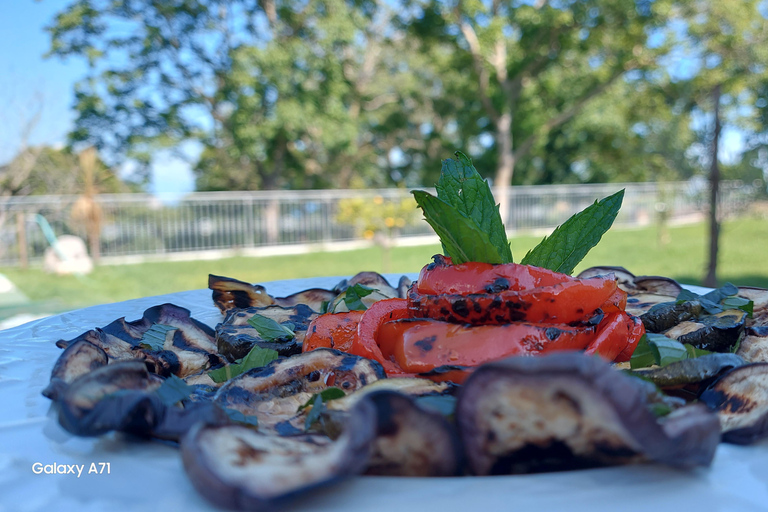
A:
(536, 65)
(639, 130)
(727, 41)
(278, 93)
(46, 170)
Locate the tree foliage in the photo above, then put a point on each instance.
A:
(353, 93)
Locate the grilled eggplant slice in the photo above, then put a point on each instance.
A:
(189, 346)
(568, 411)
(230, 293)
(643, 292)
(336, 413)
(121, 397)
(740, 398)
(410, 441)
(235, 337)
(275, 392)
(77, 359)
(238, 468)
(754, 346)
(667, 315)
(719, 332)
(693, 375)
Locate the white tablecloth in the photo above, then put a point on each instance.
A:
(146, 476)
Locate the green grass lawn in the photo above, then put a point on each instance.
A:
(742, 261)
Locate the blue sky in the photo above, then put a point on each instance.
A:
(30, 83)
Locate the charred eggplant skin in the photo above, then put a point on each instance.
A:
(77, 359)
(410, 441)
(740, 397)
(624, 430)
(119, 397)
(272, 486)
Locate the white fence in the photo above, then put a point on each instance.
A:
(140, 225)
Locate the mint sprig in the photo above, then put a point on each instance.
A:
(572, 240)
(462, 239)
(461, 186)
(466, 218)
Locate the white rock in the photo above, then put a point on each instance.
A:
(70, 257)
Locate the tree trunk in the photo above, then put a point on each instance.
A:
(270, 182)
(506, 166)
(714, 192)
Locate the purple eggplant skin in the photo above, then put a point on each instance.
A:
(77, 359)
(568, 410)
(410, 441)
(233, 473)
(120, 397)
(740, 398)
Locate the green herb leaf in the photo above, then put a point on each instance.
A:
(318, 407)
(461, 186)
(239, 417)
(720, 299)
(256, 358)
(643, 356)
(462, 239)
(270, 330)
(317, 402)
(331, 393)
(660, 350)
(659, 409)
(741, 303)
(154, 338)
(666, 350)
(572, 240)
(354, 294)
(173, 390)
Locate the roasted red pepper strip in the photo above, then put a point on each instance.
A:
(422, 345)
(366, 342)
(636, 331)
(563, 303)
(616, 334)
(332, 330)
(472, 277)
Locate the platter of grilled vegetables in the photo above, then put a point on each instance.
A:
(261, 420)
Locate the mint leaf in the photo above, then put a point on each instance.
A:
(270, 330)
(461, 186)
(331, 393)
(666, 350)
(256, 358)
(173, 390)
(318, 401)
(462, 239)
(154, 337)
(354, 294)
(660, 350)
(718, 300)
(239, 417)
(572, 240)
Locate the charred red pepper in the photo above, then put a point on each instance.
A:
(366, 341)
(332, 330)
(421, 345)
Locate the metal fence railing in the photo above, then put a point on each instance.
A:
(141, 224)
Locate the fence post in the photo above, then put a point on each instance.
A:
(21, 238)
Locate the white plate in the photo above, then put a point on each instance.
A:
(147, 476)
